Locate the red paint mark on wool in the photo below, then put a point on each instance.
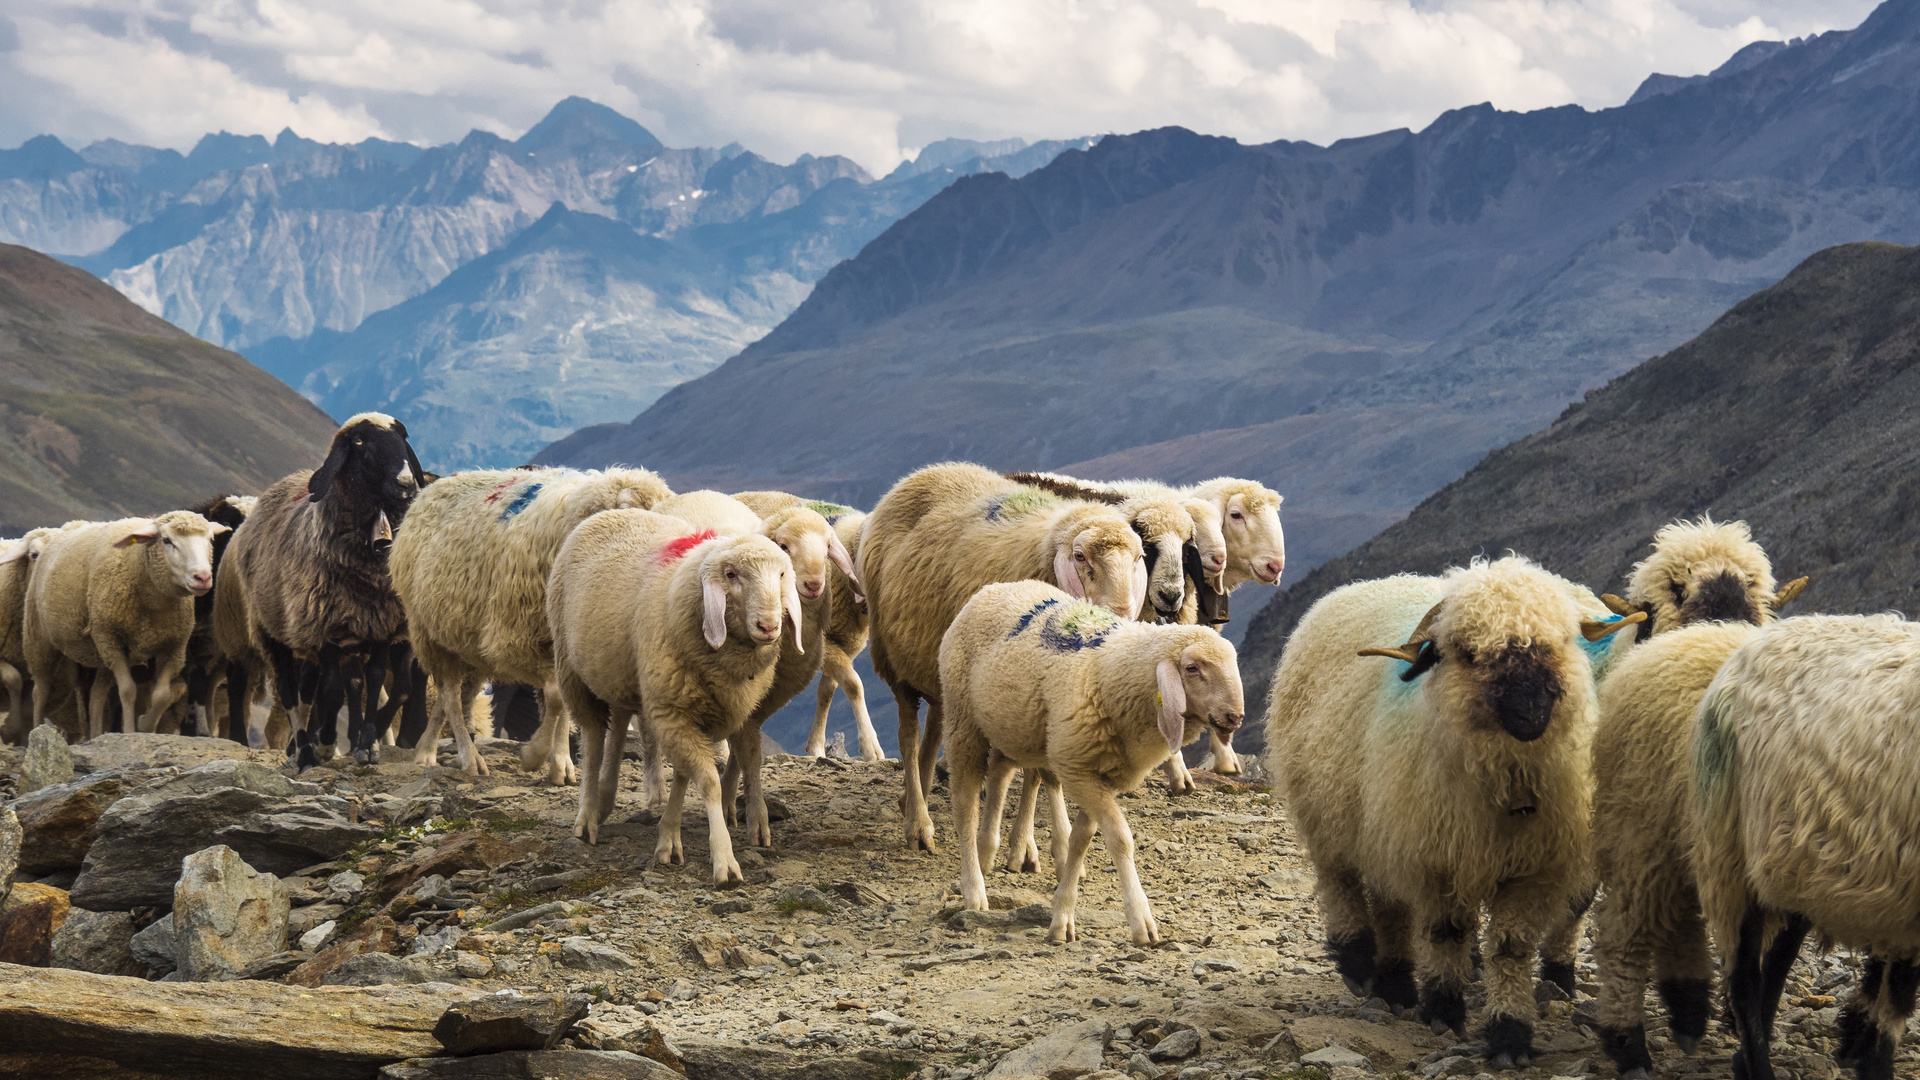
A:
(494, 496)
(675, 549)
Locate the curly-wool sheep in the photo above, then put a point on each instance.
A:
(1452, 777)
(1700, 571)
(114, 595)
(471, 568)
(678, 627)
(1035, 679)
(846, 632)
(1804, 754)
(929, 545)
(310, 574)
(813, 547)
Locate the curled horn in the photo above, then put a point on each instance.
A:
(1594, 629)
(1410, 652)
(1619, 606)
(1788, 592)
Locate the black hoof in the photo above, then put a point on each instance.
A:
(1626, 1048)
(1509, 1038)
(1444, 1004)
(1353, 958)
(1863, 1047)
(1393, 983)
(1560, 974)
(1688, 1002)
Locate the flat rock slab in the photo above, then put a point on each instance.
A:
(235, 1029)
(535, 1065)
(1072, 1051)
(731, 1061)
(57, 820)
(116, 749)
(502, 1022)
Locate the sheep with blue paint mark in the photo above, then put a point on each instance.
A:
(1450, 777)
(471, 568)
(1034, 678)
(1804, 752)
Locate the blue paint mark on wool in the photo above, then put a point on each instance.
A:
(993, 512)
(1027, 619)
(521, 501)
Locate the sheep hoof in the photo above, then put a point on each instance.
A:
(1636, 1074)
(1357, 988)
(1502, 1062)
(363, 757)
(1688, 1044)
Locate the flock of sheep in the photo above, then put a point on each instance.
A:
(1471, 759)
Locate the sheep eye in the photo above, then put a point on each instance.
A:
(1193, 669)
(1079, 556)
(167, 540)
(786, 549)
(731, 576)
(1236, 516)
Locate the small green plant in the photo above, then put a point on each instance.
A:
(509, 826)
(506, 898)
(593, 882)
(787, 905)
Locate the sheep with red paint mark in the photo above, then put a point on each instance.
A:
(654, 619)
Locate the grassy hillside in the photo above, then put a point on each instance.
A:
(1798, 411)
(106, 410)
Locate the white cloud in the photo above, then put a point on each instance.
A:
(858, 77)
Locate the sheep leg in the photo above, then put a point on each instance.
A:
(1179, 780)
(999, 776)
(1225, 761)
(1057, 820)
(446, 704)
(1393, 959)
(1623, 948)
(1067, 894)
(730, 778)
(469, 753)
(913, 805)
(971, 764)
(612, 749)
(1871, 1022)
(1683, 970)
(200, 698)
(548, 747)
(416, 713)
(367, 732)
(239, 682)
(1098, 805)
(667, 848)
(116, 662)
(1747, 999)
(1451, 930)
(317, 736)
(1561, 946)
(1023, 854)
(653, 766)
(96, 708)
(166, 685)
(822, 704)
(593, 737)
(746, 758)
(849, 680)
(1342, 898)
(15, 731)
(1515, 926)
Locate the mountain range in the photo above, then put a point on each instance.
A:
(339, 268)
(1354, 324)
(108, 411)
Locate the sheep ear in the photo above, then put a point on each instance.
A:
(1139, 586)
(219, 528)
(322, 478)
(713, 614)
(837, 551)
(413, 463)
(1172, 697)
(1786, 594)
(1064, 572)
(792, 597)
(14, 549)
(145, 534)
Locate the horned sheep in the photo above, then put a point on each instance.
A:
(932, 542)
(1033, 678)
(846, 635)
(113, 595)
(1454, 779)
(680, 627)
(471, 568)
(1803, 755)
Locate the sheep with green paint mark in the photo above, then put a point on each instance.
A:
(1033, 678)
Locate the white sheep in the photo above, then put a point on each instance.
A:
(929, 545)
(1454, 777)
(846, 632)
(1032, 678)
(17, 559)
(1700, 571)
(112, 595)
(681, 628)
(471, 567)
(1803, 755)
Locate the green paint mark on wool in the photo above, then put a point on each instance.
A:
(1084, 619)
(827, 509)
(1020, 502)
(1716, 748)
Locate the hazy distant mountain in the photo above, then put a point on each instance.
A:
(1356, 324)
(107, 411)
(284, 249)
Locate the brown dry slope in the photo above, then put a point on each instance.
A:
(1798, 410)
(108, 410)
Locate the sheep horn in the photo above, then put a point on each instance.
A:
(1410, 652)
(1617, 605)
(1787, 593)
(1594, 630)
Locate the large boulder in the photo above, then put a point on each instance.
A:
(56, 822)
(155, 947)
(374, 969)
(48, 760)
(226, 916)
(28, 920)
(97, 941)
(1072, 1051)
(501, 1022)
(120, 749)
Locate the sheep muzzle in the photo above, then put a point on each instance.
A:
(1522, 688)
(1721, 597)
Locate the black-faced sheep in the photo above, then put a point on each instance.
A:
(310, 566)
(1032, 678)
(1804, 754)
(471, 568)
(114, 595)
(681, 628)
(1701, 571)
(929, 545)
(1452, 778)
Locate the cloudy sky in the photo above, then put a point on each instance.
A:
(872, 79)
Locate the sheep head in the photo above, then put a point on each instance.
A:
(1700, 571)
(1209, 541)
(746, 592)
(1097, 558)
(811, 543)
(1164, 528)
(1250, 522)
(370, 477)
(1201, 682)
(182, 542)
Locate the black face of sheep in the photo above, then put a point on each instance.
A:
(1521, 688)
(1724, 596)
(372, 475)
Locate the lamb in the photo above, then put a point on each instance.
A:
(1803, 756)
(682, 628)
(929, 545)
(846, 632)
(1456, 779)
(1699, 571)
(810, 543)
(471, 568)
(1033, 678)
(113, 595)
(309, 570)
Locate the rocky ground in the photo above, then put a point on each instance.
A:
(843, 948)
